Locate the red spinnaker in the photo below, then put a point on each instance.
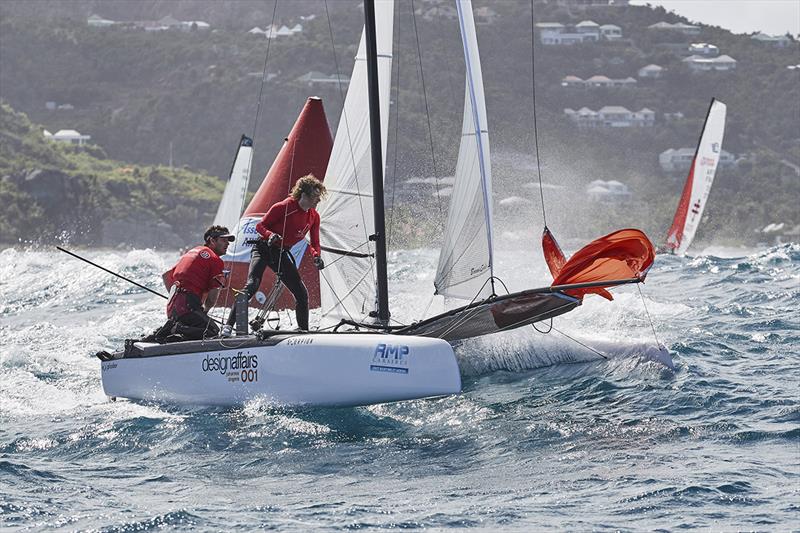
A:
(623, 254)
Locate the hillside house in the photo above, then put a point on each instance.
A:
(97, 21)
(68, 136)
(778, 41)
(611, 117)
(612, 191)
(680, 160)
(686, 29)
(188, 25)
(169, 22)
(314, 78)
(597, 81)
(706, 64)
(590, 3)
(611, 32)
(704, 49)
(651, 72)
(605, 81)
(572, 81)
(588, 26)
(587, 31)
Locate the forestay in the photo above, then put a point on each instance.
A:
(230, 207)
(348, 286)
(698, 183)
(466, 258)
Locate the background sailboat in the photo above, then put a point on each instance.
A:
(698, 183)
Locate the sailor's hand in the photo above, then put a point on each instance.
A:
(319, 263)
(273, 239)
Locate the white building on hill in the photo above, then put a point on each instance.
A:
(586, 31)
(70, 136)
(612, 191)
(679, 160)
(611, 116)
(705, 64)
(778, 41)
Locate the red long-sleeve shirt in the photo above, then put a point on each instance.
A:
(287, 219)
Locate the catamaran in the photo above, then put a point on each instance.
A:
(361, 357)
(698, 183)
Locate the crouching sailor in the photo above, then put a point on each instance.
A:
(198, 273)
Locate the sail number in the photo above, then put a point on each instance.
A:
(249, 376)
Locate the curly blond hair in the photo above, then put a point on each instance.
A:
(308, 184)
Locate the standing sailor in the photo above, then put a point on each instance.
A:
(284, 225)
(197, 274)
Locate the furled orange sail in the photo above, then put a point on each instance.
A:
(623, 254)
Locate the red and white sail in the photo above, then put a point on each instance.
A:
(698, 183)
(305, 151)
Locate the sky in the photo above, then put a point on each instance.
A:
(774, 17)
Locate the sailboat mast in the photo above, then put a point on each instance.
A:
(377, 162)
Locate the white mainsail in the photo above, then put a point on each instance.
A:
(466, 258)
(347, 288)
(230, 207)
(698, 182)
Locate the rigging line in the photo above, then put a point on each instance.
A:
(652, 326)
(286, 211)
(339, 302)
(390, 231)
(264, 74)
(535, 127)
(533, 325)
(579, 342)
(427, 117)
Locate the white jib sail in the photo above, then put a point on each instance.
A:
(705, 167)
(466, 258)
(347, 287)
(230, 207)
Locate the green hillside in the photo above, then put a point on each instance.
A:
(52, 191)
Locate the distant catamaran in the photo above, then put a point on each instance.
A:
(698, 182)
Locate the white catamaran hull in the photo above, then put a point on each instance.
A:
(313, 369)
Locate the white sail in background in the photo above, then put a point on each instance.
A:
(230, 207)
(698, 182)
(347, 288)
(465, 261)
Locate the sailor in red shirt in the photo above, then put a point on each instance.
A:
(283, 226)
(194, 283)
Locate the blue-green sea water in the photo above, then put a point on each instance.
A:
(545, 435)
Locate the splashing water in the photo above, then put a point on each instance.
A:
(547, 433)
